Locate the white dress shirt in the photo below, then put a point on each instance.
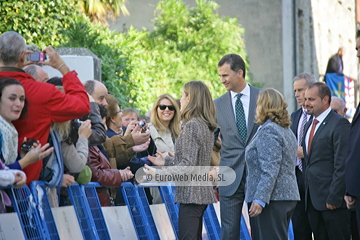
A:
(245, 99)
(320, 118)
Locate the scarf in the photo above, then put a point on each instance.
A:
(9, 144)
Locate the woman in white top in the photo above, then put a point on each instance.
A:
(165, 123)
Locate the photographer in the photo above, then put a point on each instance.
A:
(46, 103)
(118, 147)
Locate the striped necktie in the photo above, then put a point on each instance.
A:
(303, 121)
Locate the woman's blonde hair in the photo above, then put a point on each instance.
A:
(111, 107)
(201, 104)
(174, 122)
(271, 105)
(63, 128)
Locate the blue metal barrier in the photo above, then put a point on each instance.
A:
(147, 210)
(244, 231)
(290, 231)
(168, 196)
(211, 223)
(95, 208)
(137, 212)
(38, 223)
(38, 189)
(83, 213)
(25, 206)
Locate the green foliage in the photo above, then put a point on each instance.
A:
(101, 11)
(186, 44)
(39, 22)
(104, 44)
(137, 66)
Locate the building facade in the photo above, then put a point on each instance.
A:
(282, 37)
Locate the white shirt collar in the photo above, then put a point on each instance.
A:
(323, 115)
(304, 110)
(245, 91)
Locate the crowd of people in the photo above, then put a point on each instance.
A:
(302, 167)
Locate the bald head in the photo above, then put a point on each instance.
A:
(12, 49)
(341, 51)
(97, 90)
(37, 72)
(338, 105)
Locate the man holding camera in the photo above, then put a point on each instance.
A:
(46, 104)
(122, 148)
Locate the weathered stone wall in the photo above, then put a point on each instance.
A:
(334, 26)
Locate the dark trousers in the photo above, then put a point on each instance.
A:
(354, 225)
(300, 220)
(329, 224)
(273, 222)
(190, 221)
(358, 212)
(230, 213)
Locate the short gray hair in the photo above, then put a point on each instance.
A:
(309, 78)
(31, 70)
(12, 45)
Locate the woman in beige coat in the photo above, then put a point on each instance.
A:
(192, 148)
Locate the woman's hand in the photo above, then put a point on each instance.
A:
(85, 129)
(36, 153)
(126, 174)
(141, 147)
(159, 160)
(255, 209)
(67, 180)
(20, 179)
(149, 170)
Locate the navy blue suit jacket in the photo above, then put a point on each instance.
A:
(352, 168)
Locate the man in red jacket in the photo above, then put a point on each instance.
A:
(46, 104)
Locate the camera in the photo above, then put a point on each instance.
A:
(142, 125)
(37, 57)
(27, 145)
(78, 122)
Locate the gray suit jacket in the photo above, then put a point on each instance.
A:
(271, 166)
(233, 148)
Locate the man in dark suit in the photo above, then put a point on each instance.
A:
(335, 64)
(301, 226)
(235, 113)
(325, 149)
(352, 170)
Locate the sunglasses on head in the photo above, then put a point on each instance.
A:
(170, 107)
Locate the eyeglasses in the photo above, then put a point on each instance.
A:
(170, 107)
